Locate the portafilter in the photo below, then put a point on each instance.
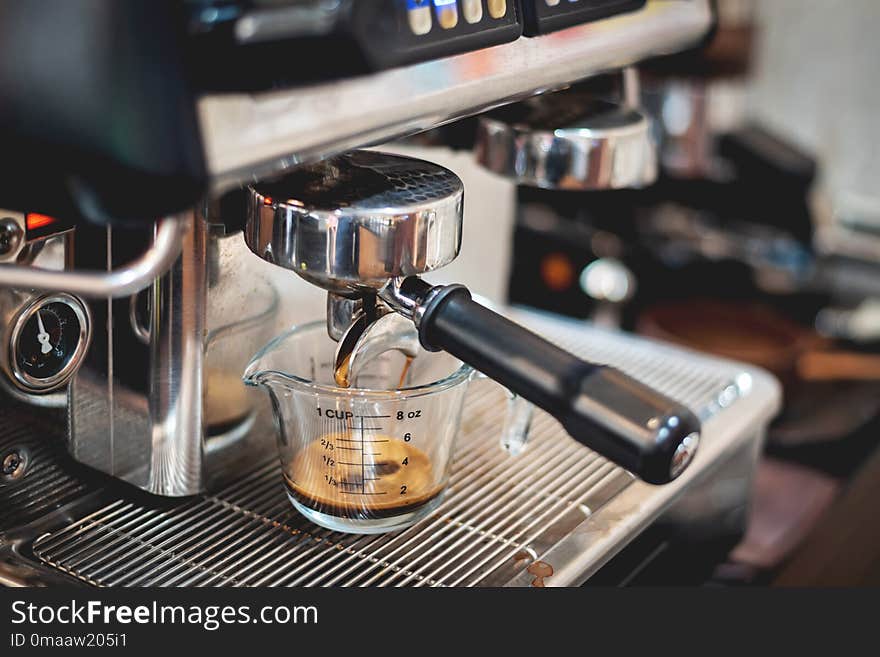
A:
(365, 224)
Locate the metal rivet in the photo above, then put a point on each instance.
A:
(11, 235)
(13, 465)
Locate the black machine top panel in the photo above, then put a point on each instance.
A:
(543, 16)
(262, 44)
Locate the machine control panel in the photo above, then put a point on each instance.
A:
(260, 44)
(543, 16)
(264, 44)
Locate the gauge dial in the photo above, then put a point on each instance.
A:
(48, 342)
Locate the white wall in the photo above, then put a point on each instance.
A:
(817, 80)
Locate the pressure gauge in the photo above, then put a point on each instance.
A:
(48, 341)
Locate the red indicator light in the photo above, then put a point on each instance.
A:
(557, 272)
(33, 221)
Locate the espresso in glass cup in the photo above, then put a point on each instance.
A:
(374, 457)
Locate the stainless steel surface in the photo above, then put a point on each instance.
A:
(350, 223)
(50, 254)
(568, 141)
(250, 136)
(12, 303)
(686, 137)
(144, 412)
(340, 311)
(631, 87)
(406, 302)
(11, 235)
(42, 483)
(119, 282)
(570, 508)
(23, 379)
(363, 343)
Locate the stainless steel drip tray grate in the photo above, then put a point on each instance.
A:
(248, 534)
(501, 512)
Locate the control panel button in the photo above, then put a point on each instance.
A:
(447, 13)
(418, 15)
(543, 16)
(497, 8)
(472, 10)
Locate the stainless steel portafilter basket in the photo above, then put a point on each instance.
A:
(351, 223)
(568, 141)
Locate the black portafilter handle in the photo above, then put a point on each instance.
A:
(619, 417)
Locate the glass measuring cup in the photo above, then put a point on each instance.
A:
(375, 457)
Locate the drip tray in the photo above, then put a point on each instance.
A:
(249, 534)
(501, 513)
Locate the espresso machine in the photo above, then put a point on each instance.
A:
(137, 332)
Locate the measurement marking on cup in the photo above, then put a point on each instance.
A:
(355, 492)
(363, 461)
(347, 440)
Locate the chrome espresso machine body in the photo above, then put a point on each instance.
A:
(245, 154)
